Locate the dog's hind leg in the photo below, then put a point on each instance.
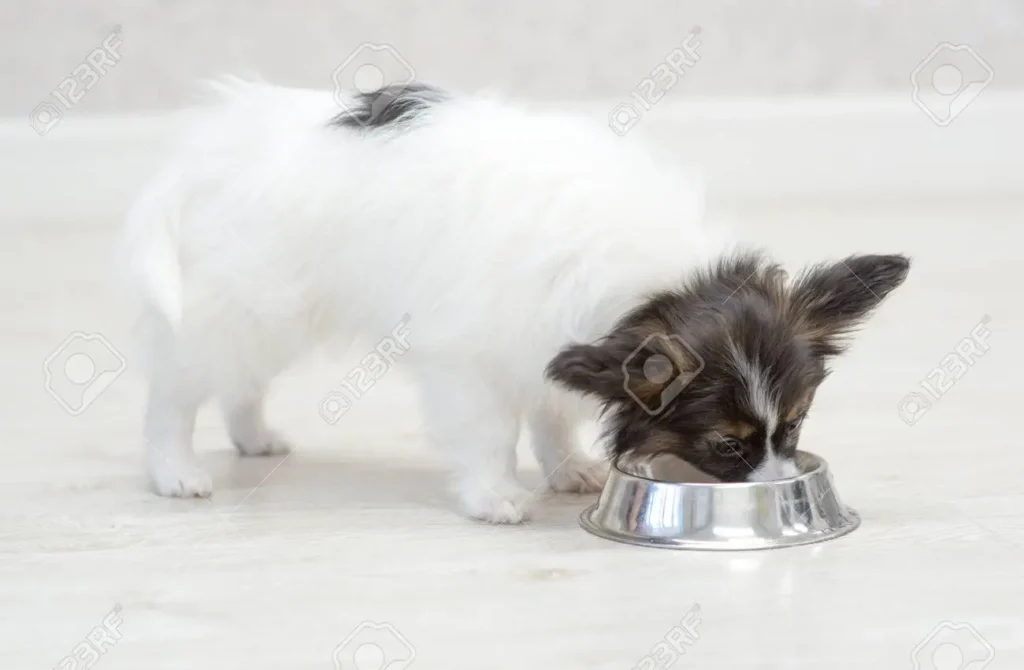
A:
(243, 415)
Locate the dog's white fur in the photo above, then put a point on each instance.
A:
(505, 233)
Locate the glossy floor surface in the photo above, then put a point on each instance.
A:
(348, 553)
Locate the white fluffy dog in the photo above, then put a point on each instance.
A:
(507, 234)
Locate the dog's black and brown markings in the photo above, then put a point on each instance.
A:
(756, 346)
(390, 106)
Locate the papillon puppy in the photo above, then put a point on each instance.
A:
(539, 257)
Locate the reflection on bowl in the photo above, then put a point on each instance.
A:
(665, 502)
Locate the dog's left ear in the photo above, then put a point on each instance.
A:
(630, 365)
(593, 369)
(830, 301)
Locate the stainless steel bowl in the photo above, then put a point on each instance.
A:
(656, 503)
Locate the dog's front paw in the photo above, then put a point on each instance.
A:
(578, 474)
(504, 502)
(180, 481)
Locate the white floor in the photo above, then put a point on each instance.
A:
(289, 558)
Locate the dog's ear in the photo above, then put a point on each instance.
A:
(591, 369)
(631, 365)
(829, 301)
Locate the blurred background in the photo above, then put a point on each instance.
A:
(566, 50)
(821, 129)
(770, 99)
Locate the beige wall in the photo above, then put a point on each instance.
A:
(565, 49)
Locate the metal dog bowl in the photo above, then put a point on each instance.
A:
(656, 503)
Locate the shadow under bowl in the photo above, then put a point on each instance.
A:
(648, 503)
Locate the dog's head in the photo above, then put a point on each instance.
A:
(722, 372)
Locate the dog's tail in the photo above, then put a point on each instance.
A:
(149, 251)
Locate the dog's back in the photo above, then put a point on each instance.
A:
(486, 222)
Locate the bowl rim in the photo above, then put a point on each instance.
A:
(821, 467)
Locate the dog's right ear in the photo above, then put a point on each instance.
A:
(829, 301)
(590, 369)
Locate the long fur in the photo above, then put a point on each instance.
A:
(524, 246)
(504, 233)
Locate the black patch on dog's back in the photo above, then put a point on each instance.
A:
(390, 106)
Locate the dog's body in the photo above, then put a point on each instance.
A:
(505, 234)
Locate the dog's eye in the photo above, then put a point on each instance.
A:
(795, 423)
(730, 447)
